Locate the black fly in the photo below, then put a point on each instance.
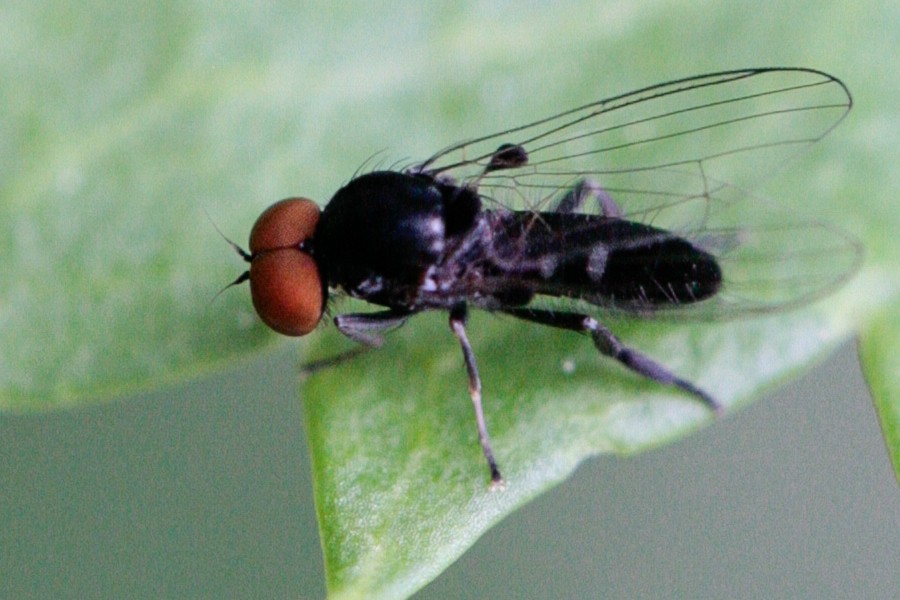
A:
(619, 206)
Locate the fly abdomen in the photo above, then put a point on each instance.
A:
(660, 270)
(605, 261)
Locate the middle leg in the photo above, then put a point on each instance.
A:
(458, 315)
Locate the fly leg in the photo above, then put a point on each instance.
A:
(609, 345)
(574, 199)
(458, 316)
(366, 328)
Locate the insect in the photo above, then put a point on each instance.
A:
(618, 207)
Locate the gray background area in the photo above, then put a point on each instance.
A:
(203, 491)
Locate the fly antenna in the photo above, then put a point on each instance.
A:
(241, 252)
(245, 276)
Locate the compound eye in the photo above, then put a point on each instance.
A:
(285, 283)
(287, 223)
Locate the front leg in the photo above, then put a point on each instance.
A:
(609, 345)
(366, 328)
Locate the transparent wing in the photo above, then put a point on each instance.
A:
(666, 155)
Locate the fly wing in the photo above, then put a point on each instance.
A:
(665, 155)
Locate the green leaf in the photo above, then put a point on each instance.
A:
(879, 347)
(123, 123)
(401, 484)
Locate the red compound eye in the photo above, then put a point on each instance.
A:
(284, 280)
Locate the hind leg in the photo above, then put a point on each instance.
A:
(609, 345)
(575, 199)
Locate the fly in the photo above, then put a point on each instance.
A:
(616, 207)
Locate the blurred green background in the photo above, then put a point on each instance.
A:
(202, 489)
